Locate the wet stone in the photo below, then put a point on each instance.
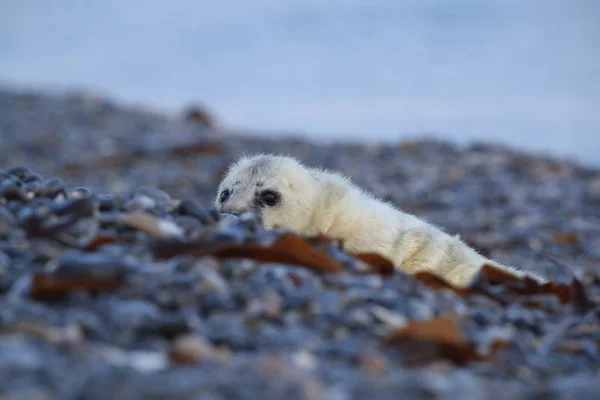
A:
(4, 263)
(139, 202)
(51, 188)
(90, 265)
(31, 178)
(228, 217)
(229, 233)
(208, 279)
(79, 208)
(419, 311)
(155, 194)
(6, 216)
(237, 269)
(80, 192)
(531, 320)
(20, 172)
(128, 311)
(190, 349)
(249, 220)
(12, 191)
(168, 326)
(31, 188)
(188, 224)
(223, 330)
(193, 209)
(106, 202)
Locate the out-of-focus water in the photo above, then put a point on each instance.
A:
(520, 72)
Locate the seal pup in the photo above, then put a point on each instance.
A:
(282, 192)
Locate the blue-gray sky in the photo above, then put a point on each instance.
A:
(524, 73)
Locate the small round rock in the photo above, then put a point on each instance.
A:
(20, 172)
(81, 192)
(190, 349)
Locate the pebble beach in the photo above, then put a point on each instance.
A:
(118, 280)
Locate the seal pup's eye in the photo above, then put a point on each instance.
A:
(269, 198)
(224, 196)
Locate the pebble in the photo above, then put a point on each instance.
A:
(190, 349)
(78, 208)
(192, 208)
(89, 265)
(20, 172)
(51, 188)
(139, 202)
(80, 192)
(389, 318)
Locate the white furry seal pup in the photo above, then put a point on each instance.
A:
(283, 192)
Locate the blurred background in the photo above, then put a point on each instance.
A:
(518, 72)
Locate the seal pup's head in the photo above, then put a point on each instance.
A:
(277, 189)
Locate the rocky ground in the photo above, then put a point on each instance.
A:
(118, 281)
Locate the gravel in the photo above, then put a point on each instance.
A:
(118, 280)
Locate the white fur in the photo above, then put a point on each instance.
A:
(316, 201)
